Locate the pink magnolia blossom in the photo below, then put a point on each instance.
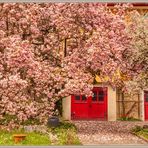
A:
(34, 73)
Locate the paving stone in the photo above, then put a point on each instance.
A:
(108, 132)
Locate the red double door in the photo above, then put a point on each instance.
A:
(94, 107)
(146, 104)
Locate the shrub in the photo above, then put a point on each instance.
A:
(137, 129)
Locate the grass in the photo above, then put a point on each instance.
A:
(143, 133)
(66, 134)
(32, 138)
(140, 131)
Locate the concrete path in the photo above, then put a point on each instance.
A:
(102, 132)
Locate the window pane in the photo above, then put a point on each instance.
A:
(83, 98)
(146, 96)
(77, 98)
(101, 95)
(94, 98)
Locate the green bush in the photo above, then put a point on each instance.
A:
(67, 137)
(31, 122)
(67, 125)
(58, 106)
(7, 119)
(137, 129)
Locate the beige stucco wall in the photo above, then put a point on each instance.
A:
(66, 104)
(111, 102)
(142, 106)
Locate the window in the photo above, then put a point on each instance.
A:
(77, 98)
(94, 98)
(146, 96)
(101, 95)
(83, 98)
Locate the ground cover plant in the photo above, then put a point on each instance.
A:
(128, 119)
(142, 132)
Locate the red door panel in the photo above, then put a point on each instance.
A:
(79, 108)
(98, 103)
(146, 104)
(94, 107)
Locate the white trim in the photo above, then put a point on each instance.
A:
(66, 104)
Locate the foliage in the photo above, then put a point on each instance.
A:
(144, 134)
(67, 134)
(128, 119)
(32, 138)
(140, 131)
(68, 137)
(31, 122)
(137, 129)
(67, 125)
(58, 106)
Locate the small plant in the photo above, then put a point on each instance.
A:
(141, 132)
(67, 125)
(68, 137)
(137, 129)
(125, 118)
(66, 134)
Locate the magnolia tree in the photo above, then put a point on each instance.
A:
(34, 74)
(138, 58)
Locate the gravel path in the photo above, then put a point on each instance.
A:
(111, 132)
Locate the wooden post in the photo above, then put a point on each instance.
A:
(118, 103)
(123, 106)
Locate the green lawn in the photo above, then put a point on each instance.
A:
(66, 135)
(32, 138)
